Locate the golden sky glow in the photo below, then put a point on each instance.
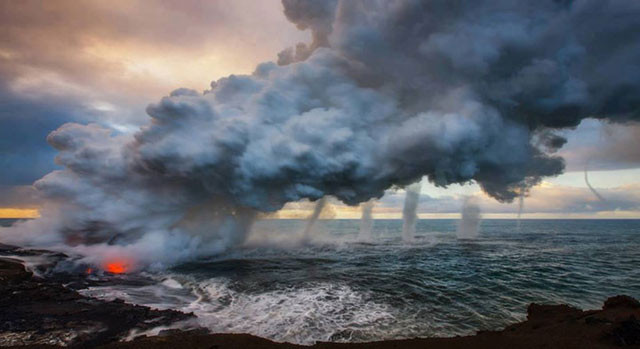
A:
(19, 213)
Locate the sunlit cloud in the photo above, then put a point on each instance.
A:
(90, 61)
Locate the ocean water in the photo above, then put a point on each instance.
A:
(338, 288)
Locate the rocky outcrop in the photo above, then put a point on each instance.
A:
(36, 311)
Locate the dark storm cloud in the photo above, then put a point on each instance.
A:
(318, 16)
(386, 93)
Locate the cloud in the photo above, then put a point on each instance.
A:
(88, 61)
(128, 49)
(24, 196)
(603, 146)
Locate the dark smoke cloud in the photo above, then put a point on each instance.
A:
(387, 92)
(318, 16)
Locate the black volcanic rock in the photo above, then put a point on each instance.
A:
(621, 302)
(41, 311)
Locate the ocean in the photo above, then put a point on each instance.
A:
(338, 288)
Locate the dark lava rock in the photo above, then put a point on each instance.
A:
(36, 311)
(11, 271)
(627, 332)
(621, 302)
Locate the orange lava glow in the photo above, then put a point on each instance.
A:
(117, 267)
(89, 270)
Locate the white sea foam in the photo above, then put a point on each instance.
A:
(318, 312)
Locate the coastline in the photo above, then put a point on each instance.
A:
(43, 313)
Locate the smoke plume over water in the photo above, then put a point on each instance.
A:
(311, 221)
(469, 220)
(366, 222)
(385, 94)
(520, 208)
(409, 215)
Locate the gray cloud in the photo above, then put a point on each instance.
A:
(24, 196)
(72, 61)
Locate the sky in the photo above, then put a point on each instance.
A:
(104, 62)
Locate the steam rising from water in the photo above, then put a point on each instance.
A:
(469, 220)
(385, 94)
(311, 221)
(366, 222)
(409, 215)
(520, 207)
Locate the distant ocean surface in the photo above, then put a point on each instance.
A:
(338, 289)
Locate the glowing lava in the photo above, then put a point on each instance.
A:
(117, 267)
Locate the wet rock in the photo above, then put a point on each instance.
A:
(36, 311)
(537, 312)
(621, 302)
(627, 332)
(11, 271)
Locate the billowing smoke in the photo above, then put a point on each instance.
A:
(409, 215)
(387, 92)
(313, 218)
(366, 221)
(469, 220)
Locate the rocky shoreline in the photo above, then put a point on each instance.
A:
(37, 312)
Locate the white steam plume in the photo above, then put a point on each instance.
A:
(386, 93)
(366, 222)
(469, 220)
(409, 215)
(311, 221)
(520, 207)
